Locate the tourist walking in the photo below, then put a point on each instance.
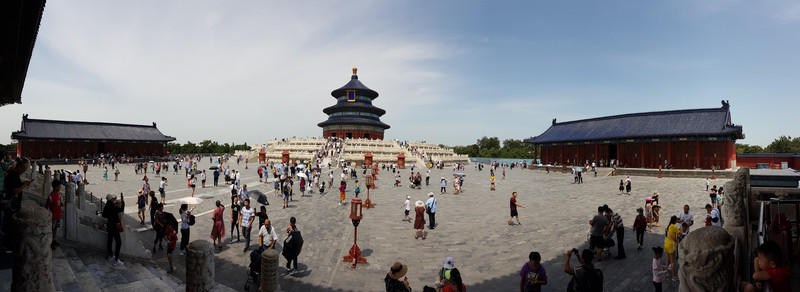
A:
(116, 173)
(342, 188)
(514, 206)
(159, 226)
(203, 178)
(648, 211)
(141, 203)
(105, 173)
(235, 210)
(192, 183)
(392, 279)
(419, 219)
(267, 236)
(407, 206)
(659, 272)
(713, 218)
(628, 184)
(598, 224)
(292, 245)
(216, 176)
(114, 226)
(670, 244)
(640, 225)
(153, 208)
(162, 189)
(686, 217)
(618, 228)
(532, 275)
(431, 204)
(218, 231)
(172, 239)
(443, 184)
(621, 186)
(54, 204)
(357, 189)
(186, 214)
(246, 221)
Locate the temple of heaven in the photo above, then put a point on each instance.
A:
(353, 115)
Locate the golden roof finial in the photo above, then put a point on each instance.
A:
(354, 70)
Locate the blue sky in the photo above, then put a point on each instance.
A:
(447, 72)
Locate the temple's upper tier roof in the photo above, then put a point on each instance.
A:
(356, 85)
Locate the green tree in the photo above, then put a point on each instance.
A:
(488, 143)
(747, 148)
(784, 144)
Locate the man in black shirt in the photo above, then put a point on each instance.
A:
(114, 226)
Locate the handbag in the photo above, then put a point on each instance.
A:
(119, 225)
(191, 220)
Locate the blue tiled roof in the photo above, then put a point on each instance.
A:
(360, 88)
(679, 123)
(51, 129)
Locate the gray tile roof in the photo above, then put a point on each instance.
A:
(51, 129)
(678, 123)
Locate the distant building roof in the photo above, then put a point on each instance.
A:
(63, 130)
(678, 123)
(355, 84)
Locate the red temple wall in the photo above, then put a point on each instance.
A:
(680, 154)
(48, 149)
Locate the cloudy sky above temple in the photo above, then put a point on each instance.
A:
(447, 71)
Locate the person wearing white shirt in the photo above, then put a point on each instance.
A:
(203, 178)
(246, 221)
(267, 236)
(713, 216)
(243, 193)
(686, 217)
(407, 204)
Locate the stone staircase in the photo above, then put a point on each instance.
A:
(76, 269)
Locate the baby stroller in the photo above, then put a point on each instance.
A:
(254, 270)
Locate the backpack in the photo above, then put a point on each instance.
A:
(191, 220)
(592, 281)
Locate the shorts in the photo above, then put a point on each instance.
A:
(276, 186)
(142, 209)
(170, 250)
(714, 200)
(596, 242)
(56, 224)
(285, 197)
(514, 213)
(203, 181)
(407, 211)
(193, 186)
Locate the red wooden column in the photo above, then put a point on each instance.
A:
(642, 154)
(697, 159)
(617, 162)
(596, 146)
(561, 155)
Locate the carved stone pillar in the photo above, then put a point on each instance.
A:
(33, 258)
(269, 272)
(736, 215)
(47, 187)
(200, 266)
(71, 212)
(70, 191)
(706, 259)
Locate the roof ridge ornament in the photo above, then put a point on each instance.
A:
(554, 121)
(726, 104)
(355, 76)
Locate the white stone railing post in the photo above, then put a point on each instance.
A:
(269, 272)
(200, 266)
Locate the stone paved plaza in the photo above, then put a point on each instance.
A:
(471, 227)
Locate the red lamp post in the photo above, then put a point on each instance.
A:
(368, 204)
(355, 215)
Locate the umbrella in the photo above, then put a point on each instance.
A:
(151, 161)
(459, 174)
(341, 159)
(213, 167)
(301, 166)
(260, 197)
(300, 174)
(197, 172)
(578, 169)
(189, 200)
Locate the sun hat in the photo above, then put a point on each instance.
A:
(430, 194)
(110, 197)
(648, 199)
(398, 270)
(408, 197)
(419, 203)
(448, 263)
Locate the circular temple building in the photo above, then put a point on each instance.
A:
(353, 115)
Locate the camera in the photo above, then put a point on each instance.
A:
(575, 251)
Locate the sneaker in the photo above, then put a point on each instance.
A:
(171, 269)
(119, 263)
(111, 259)
(182, 253)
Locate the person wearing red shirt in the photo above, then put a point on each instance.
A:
(54, 205)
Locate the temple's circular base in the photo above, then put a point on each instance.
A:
(353, 134)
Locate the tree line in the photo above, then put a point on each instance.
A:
(490, 147)
(207, 146)
(784, 144)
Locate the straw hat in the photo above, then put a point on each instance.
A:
(419, 203)
(398, 270)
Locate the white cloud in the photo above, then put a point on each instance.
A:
(229, 72)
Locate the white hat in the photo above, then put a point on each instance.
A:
(430, 194)
(408, 197)
(110, 197)
(448, 263)
(419, 203)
